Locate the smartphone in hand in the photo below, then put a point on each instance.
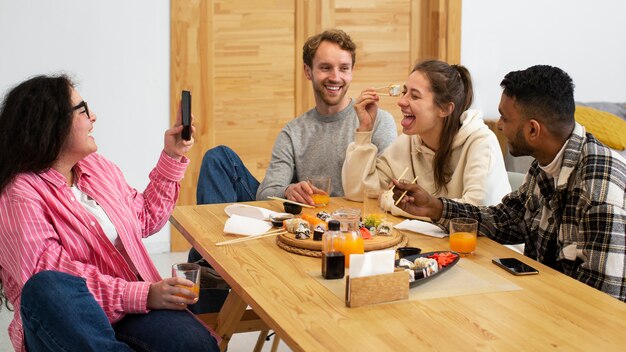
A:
(186, 107)
(515, 266)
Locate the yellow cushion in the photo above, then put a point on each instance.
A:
(606, 127)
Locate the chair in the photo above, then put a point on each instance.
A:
(516, 179)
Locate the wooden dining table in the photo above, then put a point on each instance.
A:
(548, 311)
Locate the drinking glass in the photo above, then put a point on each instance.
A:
(371, 202)
(463, 232)
(322, 196)
(189, 271)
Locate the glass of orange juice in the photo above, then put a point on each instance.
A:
(191, 272)
(321, 189)
(463, 232)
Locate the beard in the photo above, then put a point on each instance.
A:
(518, 145)
(330, 100)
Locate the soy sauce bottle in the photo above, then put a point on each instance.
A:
(333, 259)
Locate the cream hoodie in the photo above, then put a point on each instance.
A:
(478, 175)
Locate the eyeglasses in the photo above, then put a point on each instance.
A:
(82, 104)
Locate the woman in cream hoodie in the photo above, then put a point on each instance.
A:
(447, 146)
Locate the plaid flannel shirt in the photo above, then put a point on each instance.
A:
(577, 227)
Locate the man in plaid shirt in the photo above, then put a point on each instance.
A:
(570, 210)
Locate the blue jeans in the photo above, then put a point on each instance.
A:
(60, 314)
(224, 178)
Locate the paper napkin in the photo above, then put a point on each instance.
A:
(372, 263)
(246, 226)
(422, 227)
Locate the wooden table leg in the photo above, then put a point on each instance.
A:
(229, 317)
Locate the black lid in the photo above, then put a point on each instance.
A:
(333, 225)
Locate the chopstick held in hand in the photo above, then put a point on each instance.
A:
(291, 201)
(399, 178)
(404, 193)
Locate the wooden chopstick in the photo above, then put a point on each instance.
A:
(404, 193)
(291, 201)
(387, 86)
(402, 174)
(249, 238)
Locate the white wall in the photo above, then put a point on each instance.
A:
(587, 39)
(118, 53)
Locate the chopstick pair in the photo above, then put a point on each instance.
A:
(243, 239)
(291, 201)
(404, 193)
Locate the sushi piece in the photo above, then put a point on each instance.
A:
(324, 216)
(406, 263)
(428, 265)
(292, 225)
(392, 90)
(314, 221)
(384, 229)
(303, 232)
(318, 232)
(395, 90)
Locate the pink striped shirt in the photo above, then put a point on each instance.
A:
(44, 227)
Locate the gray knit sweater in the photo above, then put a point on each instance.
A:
(315, 145)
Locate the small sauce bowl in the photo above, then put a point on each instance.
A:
(407, 251)
(292, 208)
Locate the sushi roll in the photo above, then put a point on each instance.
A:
(384, 229)
(303, 232)
(324, 216)
(318, 232)
(292, 225)
(428, 265)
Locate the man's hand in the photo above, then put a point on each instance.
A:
(417, 201)
(166, 294)
(301, 192)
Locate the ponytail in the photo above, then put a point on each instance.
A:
(468, 89)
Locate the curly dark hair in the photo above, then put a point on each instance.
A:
(35, 122)
(449, 84)
(336, 36)
(544, 93)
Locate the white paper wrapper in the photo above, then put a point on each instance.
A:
(246, 226)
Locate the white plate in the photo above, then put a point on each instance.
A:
(248, 211)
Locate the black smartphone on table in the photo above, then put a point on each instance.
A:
(515, 266)
(186, 107)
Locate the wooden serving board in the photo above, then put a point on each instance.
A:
(375, 243)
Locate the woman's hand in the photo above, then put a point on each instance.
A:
(366, 107)
(175, 146)
(168, 294)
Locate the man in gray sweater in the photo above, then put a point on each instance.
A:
(313, 144)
